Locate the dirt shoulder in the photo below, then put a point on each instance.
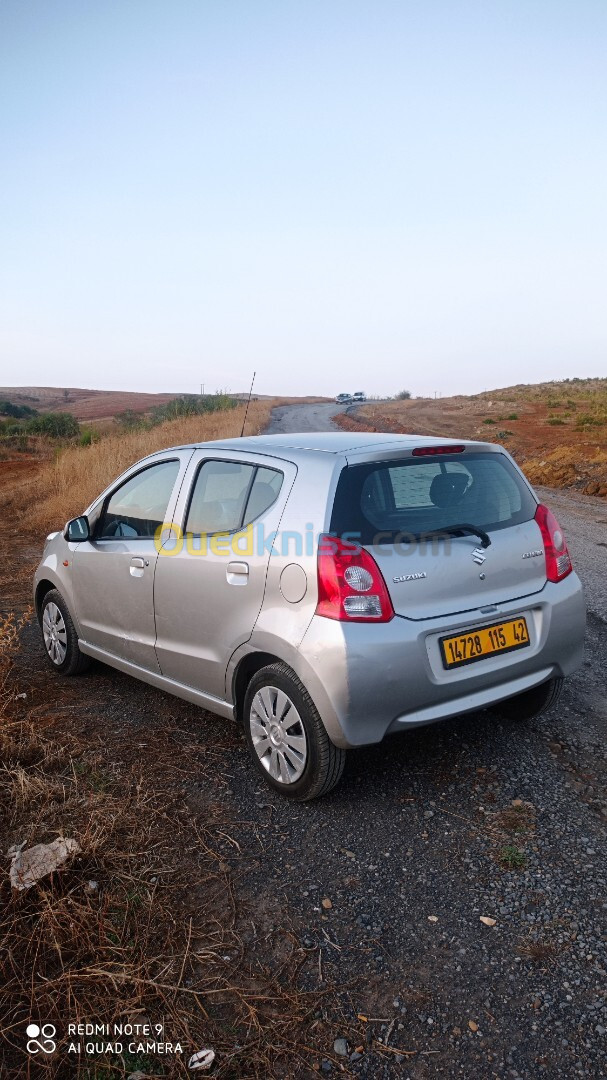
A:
(557, 431)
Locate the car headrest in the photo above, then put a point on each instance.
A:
(447, 489)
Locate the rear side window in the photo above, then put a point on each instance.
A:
(413, 497)
(228, 495)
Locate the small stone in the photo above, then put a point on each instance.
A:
(432, 918)
(326, 903)
(340, 1047)
(473, 1025)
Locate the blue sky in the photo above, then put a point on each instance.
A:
(340, 195)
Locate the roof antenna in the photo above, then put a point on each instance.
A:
(248, 403)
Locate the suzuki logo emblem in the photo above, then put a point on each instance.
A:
(479, 556)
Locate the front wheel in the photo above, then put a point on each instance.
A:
(531, 703)
(287, 737)
(60, 637)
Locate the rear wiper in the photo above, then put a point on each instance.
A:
(462, 530)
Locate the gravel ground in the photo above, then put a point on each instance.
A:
(426, 834)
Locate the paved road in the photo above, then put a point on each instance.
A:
(289, 418)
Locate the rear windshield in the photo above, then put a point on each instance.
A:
(409, 498)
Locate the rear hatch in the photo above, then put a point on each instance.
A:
(395, 509)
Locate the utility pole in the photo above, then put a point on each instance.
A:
(201, 389)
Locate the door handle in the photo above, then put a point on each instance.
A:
(237, 573)
(137, 567)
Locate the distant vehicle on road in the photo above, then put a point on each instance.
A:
(359, 396)
(439, 585)
(342, 399)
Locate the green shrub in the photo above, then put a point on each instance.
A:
(57, 425)
(18, 412)
(89, 436)
(555, 421)
(192, 405)
(488, 421)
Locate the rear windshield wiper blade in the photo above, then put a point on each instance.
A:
(462, 530)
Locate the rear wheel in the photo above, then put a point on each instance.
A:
(531, 703)
(60, 637)
(287, 737)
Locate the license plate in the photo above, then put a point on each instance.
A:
(476, 645)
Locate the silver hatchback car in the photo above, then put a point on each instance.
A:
(323, 589)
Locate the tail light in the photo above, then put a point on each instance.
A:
(350, 584)
(430, 451)
(558, 560)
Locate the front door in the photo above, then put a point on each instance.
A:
(209, 586)
(114, 570)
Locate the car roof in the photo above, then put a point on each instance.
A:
(330, 442)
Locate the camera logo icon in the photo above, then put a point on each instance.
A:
(41, 1039)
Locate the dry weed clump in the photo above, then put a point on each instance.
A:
(141, 927)
(66, 486)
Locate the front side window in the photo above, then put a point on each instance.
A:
(138, 507)
(228, 495)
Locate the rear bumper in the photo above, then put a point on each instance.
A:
(368, 680)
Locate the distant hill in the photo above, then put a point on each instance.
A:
(83, 404)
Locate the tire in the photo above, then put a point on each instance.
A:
(287, 738)
(531, 703)
(59, 636)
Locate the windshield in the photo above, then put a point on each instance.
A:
(410, 498)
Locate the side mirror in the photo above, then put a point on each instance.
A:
(77, 530)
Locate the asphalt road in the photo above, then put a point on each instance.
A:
(289, 418)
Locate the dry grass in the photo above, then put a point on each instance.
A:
(544, 953)
(142, 926)
(79, 473)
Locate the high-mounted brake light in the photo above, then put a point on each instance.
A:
(558, 560)
(430, 451)
(350, 584)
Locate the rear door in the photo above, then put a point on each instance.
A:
(395, 506)
(209, 586)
